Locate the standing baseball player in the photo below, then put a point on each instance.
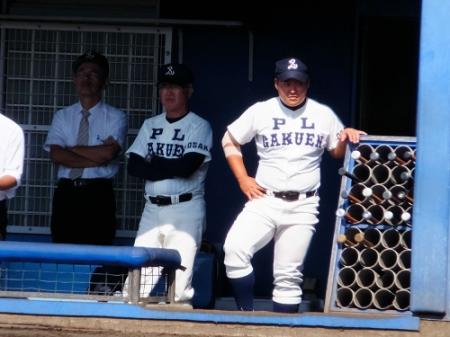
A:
(172, 153)
(291, 132)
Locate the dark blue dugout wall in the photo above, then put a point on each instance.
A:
(323, 36)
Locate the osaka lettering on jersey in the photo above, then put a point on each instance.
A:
(289, 143)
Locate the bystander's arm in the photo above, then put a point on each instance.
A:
(100, 154)
(7, 182)
(64, 156)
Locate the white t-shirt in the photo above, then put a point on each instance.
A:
(104, 121)
(172, 140)
(289, 143)
(11, 153)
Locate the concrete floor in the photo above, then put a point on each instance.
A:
(48, 326)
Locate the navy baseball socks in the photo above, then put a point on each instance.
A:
(243, 291)
(285, 308)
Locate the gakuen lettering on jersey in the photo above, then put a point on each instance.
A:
(283, 138)
(177, 146)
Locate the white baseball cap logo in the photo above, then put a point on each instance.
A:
(292, 64)
(170, 71)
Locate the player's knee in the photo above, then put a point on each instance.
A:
(235, 254)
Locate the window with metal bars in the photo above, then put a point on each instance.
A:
(35, 81)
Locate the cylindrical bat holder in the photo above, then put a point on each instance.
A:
(363, 172)
(354, 213)
(405, 240)
(370, 238)
(386, 279)
(381, 174)
(404, 154)
(403, 279)
(369, 258)
(344, 297)
(362, 153)
(383, 299)
(400, 175)
(388, 259)
(347, 277)
(390, 238)
(383, 152)
(402, 298)
(404, 259)
(366, 278)
(363, 298)
(349, 257)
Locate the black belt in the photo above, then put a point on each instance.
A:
(162, 200)
(293, 195)
(81, 182)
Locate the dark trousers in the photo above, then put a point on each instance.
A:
(3, 219)
(84, 212)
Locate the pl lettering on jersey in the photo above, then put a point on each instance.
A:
(301, 137)
(175, 149)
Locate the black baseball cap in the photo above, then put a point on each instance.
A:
(92, 56)
(291, 69)
(175, 73)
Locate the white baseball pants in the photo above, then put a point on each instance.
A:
(179, 226)
(291, 224)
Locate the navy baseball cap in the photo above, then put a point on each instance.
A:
(92, 56)
(291, 69)
(175, 73)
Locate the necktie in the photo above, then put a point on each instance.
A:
(82, 139)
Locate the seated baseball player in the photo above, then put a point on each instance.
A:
(172, 153)
(291, 131)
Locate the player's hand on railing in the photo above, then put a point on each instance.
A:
(351, 135)
(250, 187)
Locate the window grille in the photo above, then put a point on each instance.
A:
(35, 70)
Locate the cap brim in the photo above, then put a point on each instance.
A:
(293, 75)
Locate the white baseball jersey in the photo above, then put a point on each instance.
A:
(289, 143)
(12, 153)
(172, 140)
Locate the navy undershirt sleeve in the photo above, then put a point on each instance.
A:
(160, 168)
